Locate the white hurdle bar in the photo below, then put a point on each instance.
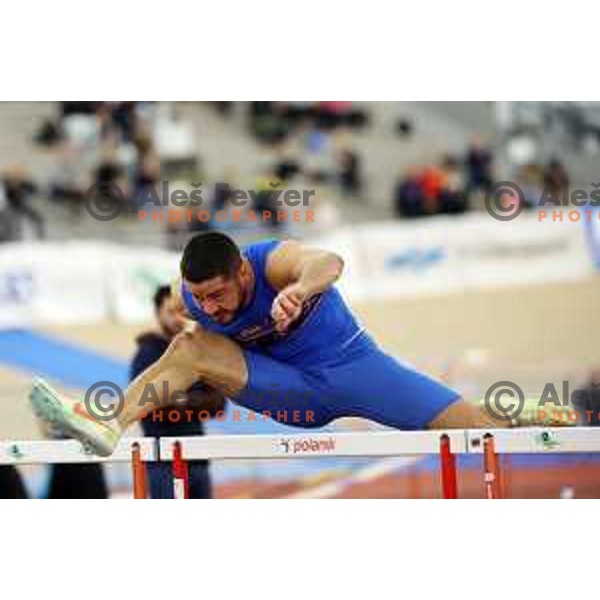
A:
(71, 451)
(490, 443)
(448, 443)
(365, 444)
(136, 451)
(381, 443)
(536, 440)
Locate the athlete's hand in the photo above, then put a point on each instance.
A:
(287, 306)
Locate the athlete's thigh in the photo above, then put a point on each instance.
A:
(198, 354)
(287, 393)
(378, 387)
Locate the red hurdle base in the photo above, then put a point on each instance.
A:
(181, 482)
(140, 481)
(448, 469)
(491, 468)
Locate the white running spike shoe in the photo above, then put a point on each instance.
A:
(70, 418)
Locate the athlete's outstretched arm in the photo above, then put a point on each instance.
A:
(299, 272)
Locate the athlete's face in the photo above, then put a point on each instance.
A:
(220, 297)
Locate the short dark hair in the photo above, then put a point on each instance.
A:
(210, 254)
(162, 293)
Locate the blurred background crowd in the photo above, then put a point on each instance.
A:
(367, 161)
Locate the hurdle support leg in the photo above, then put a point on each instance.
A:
(491, 468)
(181, 483)
(448, 469)
(140, 481)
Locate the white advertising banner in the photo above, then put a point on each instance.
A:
(90, 282)
(444, 255)
(134, 280)
(522, 252)
(56, 283)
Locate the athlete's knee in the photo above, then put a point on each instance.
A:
(203, 350)
(184, 347)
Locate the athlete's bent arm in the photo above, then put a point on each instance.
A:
(299, 272)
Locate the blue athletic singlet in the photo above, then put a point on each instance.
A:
(325, 323)
(325, 366)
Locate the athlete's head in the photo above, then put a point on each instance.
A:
(165, 311)
(215, 273)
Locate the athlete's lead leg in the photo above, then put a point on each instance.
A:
(196, 355)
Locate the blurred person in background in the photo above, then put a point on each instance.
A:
(452, 197)
(408, 196)
(530, 179)
(349, 173)
(433, 180)
(556, 180)
(11, 484)
(163, 422)
(479, 165)
(16, 191)
(286, 165)
(69, 180)
(177, 228)
(77, 482)
(591, 406)
(267, 190)
(124, 118)
(146, 173)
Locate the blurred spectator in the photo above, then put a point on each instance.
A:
(556, 180)
(286, 166)
(146, 170)
(124, 118)
(269, 123)
(151, 346)
(267, 188)
(591, 394)
(349, 173)
(225, 109)
(109, 171)
(331, 114)
(432, 190)
(408, 198)
(479, 163)
(452, 198)
(16, 190)
(69, 181)
(432, 183)
(11, 484)
(78, 482)
(68, 109)
(530, 179)
(177, 231)
(273, 122)
(405, 127)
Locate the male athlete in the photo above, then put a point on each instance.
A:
(271, 332)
